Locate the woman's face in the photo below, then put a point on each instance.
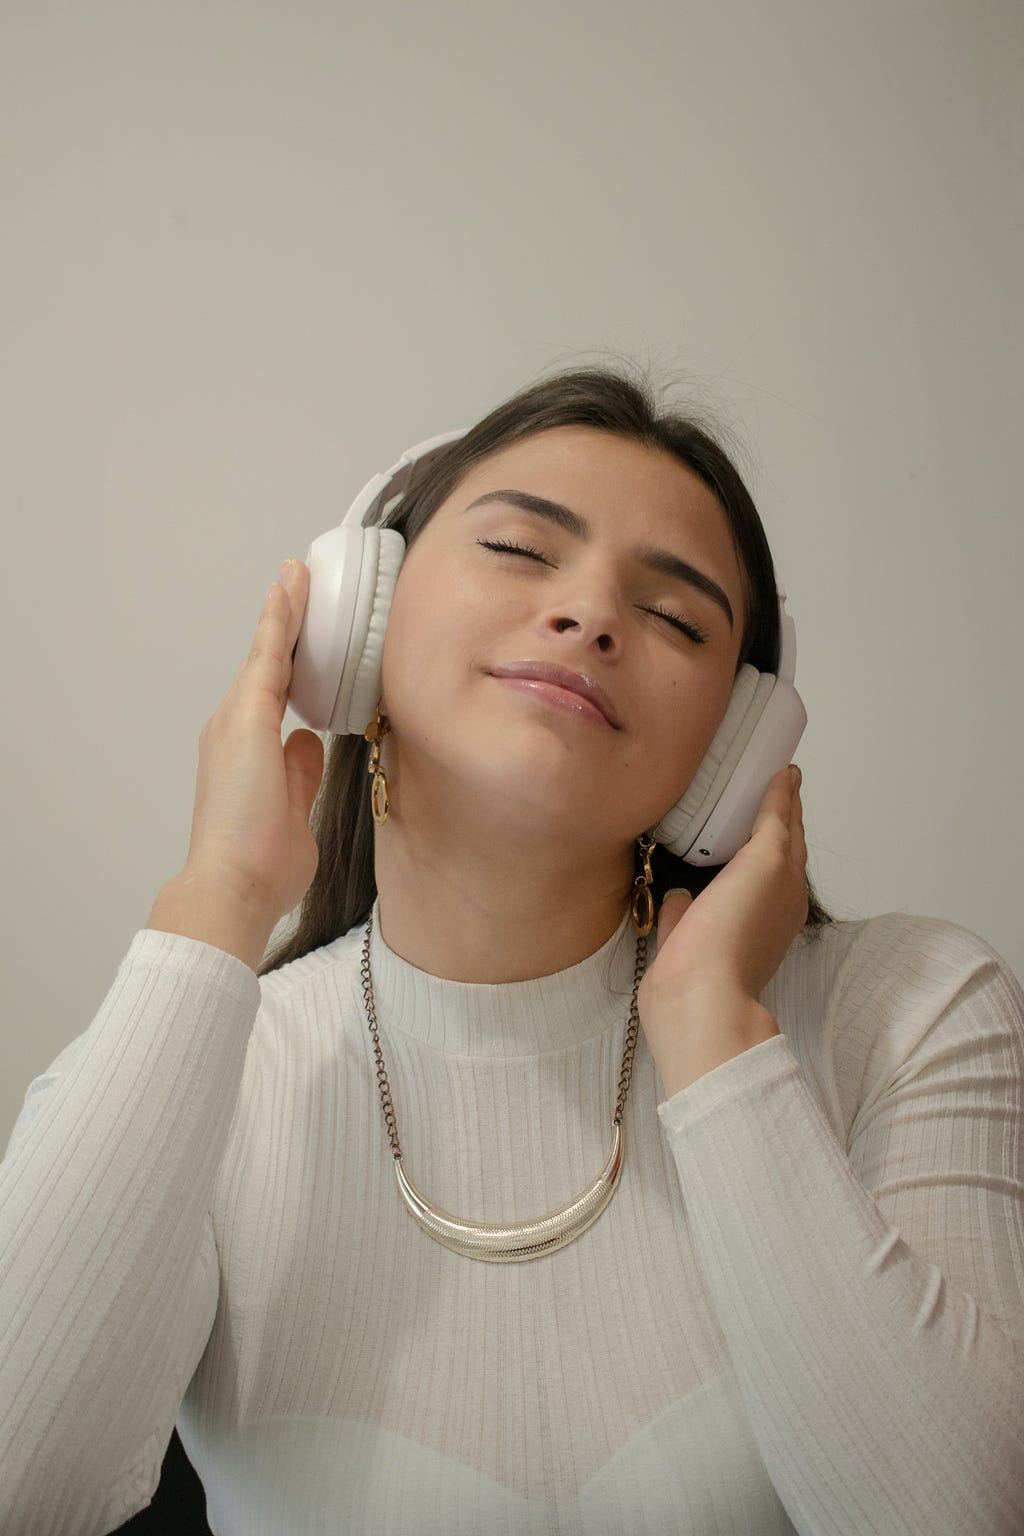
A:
(520, 752)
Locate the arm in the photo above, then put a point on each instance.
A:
(872, 1295)
(108, 1271)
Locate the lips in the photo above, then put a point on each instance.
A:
(562, 677)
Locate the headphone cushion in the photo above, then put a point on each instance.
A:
(750, 693)
(383, 552)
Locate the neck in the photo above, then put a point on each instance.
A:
(492, 905)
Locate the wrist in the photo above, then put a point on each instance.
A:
(201, 905)
(710, 1026)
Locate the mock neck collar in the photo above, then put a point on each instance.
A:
(514, 1018)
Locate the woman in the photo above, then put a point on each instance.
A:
(800, 1303)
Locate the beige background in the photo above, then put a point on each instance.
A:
(251, 251)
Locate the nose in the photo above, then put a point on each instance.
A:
(603, 641)
(592, 612)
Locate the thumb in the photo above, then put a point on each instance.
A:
(674, 906)
(304, 768)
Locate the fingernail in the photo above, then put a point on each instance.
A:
(795, 775)
(677, 890)
(285, 568)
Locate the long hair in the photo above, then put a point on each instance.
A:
(611, 398)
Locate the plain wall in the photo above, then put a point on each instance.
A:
(251, 252)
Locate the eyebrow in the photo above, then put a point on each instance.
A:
(655, 559)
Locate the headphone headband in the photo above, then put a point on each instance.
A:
(375, 501)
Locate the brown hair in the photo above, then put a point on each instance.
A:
(615, 400)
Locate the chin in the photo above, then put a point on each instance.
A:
(530, 793)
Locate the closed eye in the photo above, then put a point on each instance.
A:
(506, 546)
(693, 630)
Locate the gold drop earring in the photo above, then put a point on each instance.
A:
(643, 901)
(379, 802)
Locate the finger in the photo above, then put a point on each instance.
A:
(674, 906)
(295, 580)
(304, 767)
(255, 667)
(271, 625)
(264, 666)
(798, 840)
(777, 803)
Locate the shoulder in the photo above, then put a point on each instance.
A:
(894, 957)
(871, 1001)
(929, 979)
(339, 958)
(309, 1005)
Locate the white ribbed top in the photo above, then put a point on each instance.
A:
(803, 1309)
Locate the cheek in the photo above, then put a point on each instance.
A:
(405, 638)
(692, 715)
(428, 625)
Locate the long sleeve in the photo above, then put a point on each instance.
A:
(108, 1269)
(868, 1274)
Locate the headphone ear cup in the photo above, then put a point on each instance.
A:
(335, 680)
(771, 745)
(357, 703)
(680, 825)
(758, 735)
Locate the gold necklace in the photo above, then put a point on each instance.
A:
(517, 1241)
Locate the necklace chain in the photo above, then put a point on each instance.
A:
(510, 1242)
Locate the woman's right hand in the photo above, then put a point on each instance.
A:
(251, 856)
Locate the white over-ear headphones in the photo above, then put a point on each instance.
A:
(336, 671)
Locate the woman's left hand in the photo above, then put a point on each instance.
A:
(698, 1000)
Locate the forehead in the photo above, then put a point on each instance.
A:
(617, 485)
